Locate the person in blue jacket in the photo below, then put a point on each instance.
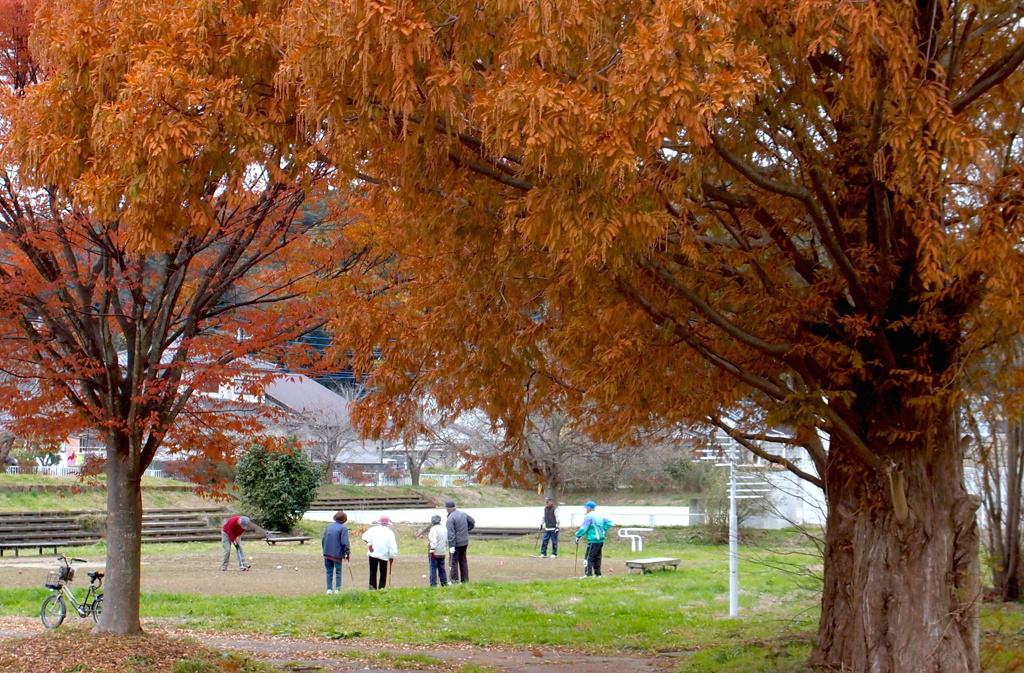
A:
(336, 548)
(595, 527)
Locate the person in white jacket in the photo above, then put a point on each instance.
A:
(437, 545)
(382, 549)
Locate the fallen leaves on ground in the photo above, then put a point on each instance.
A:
(73, 650)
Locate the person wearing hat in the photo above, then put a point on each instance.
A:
(459, 524)
(231, 535)
(550, 522)
(335, 544)
(437, 544)
(595, 527)
(382, 549)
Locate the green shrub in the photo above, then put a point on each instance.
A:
(276, 487)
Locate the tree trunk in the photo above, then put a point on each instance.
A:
(6, 444)
(553, 489)
(414, 472)
(1004, 477)
(124, 542)
(1014, 577)
(901, 596)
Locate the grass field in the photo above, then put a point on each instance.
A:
(684, 612)
(41, 493)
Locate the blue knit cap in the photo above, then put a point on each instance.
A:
(591, 504)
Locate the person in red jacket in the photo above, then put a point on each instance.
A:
(231, 535)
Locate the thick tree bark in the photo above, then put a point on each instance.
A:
(901, 596)
(124, 541)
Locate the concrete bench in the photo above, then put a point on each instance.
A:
(273, 538)
(658, 563)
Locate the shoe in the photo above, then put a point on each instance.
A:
(329, 592)
(543, 555)
(223, 569)
(244, 568)
(554, 556)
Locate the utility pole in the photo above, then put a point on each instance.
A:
(741, 486)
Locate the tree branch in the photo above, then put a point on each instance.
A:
(723, 323)
(993, 75)
(770, 457)
(819, 218)
(687, 335)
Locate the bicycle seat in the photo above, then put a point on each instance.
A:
(96, 574)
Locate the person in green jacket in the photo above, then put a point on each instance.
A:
(595, 527)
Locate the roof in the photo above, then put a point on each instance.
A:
(304, 396)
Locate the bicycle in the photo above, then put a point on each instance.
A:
(55, 607)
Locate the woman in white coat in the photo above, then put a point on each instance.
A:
(382, 550)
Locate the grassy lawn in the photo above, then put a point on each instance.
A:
(683, 612)
(35, 493)
(31, 492)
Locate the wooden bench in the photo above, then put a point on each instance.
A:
(658, 563)
(273, 537)
(38, 544)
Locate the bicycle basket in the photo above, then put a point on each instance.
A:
(52, 580)
(67, 573)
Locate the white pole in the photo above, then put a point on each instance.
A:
(734, 535)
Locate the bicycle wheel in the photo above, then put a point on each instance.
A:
(97, 608)
(53, 612)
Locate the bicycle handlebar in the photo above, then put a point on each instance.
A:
(71, 560)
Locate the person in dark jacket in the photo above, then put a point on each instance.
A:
(336, 549)
(459, 524)
(550, 523)
(231, 535)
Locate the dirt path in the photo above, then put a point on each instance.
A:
(319, 656)
(296, 571)
(333, 657)
(291, 571)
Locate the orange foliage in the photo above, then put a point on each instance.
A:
(165, 232)
(793, 215)
(800, 215)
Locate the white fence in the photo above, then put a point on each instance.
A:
(382, 479)
(371, 478)
(58, 471)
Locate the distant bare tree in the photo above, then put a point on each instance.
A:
(998, 447)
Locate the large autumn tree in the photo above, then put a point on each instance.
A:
(802, 214)
(160, 223)
(642, 212)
